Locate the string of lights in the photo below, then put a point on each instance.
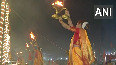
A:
(4, 32)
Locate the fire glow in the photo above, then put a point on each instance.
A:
(32, 36)
(57, 3)
(27, 45)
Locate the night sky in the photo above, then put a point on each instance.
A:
(35, 16)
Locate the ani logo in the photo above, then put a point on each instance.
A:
(103, 12)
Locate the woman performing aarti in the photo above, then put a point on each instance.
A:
(80, 52)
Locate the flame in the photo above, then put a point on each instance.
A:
(32, 35)
(57, 3)
(27, 45)
(52, 3)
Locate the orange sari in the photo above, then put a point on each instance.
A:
(38, 58)
(83, 55)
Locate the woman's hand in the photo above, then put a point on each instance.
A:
(67, 13)
(66, 26)
(60, 19)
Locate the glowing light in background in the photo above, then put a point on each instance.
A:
(66, 58)
(106, 54)
(51, 59)
(105, 58)
(21, 52)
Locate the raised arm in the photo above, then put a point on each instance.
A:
(70, 22)
(69, 19)
(66, 26)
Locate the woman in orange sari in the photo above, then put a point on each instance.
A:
(38, 57)
(80, 52)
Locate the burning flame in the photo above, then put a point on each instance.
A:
(57, 3)
(27, 45)
(32, 35)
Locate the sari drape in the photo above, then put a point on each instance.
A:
(83, 55)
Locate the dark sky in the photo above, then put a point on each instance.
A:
(35, 16)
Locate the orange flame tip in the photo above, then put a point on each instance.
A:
(57, 3)
(32, 35)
